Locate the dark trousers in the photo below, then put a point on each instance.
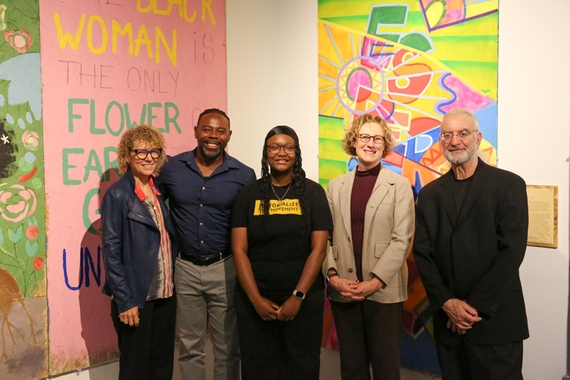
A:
(369, 334)
(470, 362)
(147, 351)
(278, 350)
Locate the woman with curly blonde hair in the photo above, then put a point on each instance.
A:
(139, 253)
(373, 217)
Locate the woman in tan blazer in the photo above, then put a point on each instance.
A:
(373, 217)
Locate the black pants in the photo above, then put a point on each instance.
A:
(147, 351)
(470, 362)
(369, 334)
(278, 350)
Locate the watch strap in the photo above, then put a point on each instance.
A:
(299, 294)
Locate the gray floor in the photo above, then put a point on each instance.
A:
(329, 369)
(330, 366)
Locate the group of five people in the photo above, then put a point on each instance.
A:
(283, 237)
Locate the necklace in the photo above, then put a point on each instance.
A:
(150, 201)
(280, 200)
(149, 195)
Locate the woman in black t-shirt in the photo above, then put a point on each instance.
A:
(280, 227)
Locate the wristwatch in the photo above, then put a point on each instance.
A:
(299, 294)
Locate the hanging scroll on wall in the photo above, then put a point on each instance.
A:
(409, 62)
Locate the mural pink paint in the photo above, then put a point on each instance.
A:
(108, 65)
(444, 13)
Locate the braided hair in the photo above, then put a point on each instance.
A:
(298, 179)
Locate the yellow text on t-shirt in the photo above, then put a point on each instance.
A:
(284, 207)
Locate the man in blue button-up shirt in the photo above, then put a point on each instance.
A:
(201, 186)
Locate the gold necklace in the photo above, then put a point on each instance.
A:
(280, 200)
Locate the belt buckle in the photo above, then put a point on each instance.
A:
(209, 260)
(203, 260)
(213, 260)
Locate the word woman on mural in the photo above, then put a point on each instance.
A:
(96, 23)
(113, 64)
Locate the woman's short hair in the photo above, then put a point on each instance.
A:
(142, 134)
(352, 134)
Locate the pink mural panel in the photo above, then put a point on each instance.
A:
(108, 65)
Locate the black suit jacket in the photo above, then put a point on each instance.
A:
(475, 254)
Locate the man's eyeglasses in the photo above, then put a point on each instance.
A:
(274, 149)
(142, 154)
(461, 135)
(365, 138)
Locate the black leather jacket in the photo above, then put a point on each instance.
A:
(131, 241)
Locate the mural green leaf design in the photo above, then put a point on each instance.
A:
(15, 236)
(31, 248)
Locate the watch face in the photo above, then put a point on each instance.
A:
(299, 294)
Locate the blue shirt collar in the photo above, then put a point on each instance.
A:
(227, 164)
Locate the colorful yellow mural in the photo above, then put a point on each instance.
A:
(410, 62)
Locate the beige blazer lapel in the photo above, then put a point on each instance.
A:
(381, 188)
(344, 195)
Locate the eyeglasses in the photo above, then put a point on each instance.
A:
(142, 154)
(461, 135)
(365, 138)
(274, 149)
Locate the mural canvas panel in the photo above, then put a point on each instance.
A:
(410, 62)
(23, 307)
(107, 66)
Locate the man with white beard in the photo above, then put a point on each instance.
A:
(471, 233)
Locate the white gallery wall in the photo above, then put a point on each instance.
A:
(272, 79)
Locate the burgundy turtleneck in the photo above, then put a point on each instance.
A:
(362, 188)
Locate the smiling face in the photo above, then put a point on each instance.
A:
(460, 151)
(283, 160)
(142, 168)
(369, 153)
(212, 134)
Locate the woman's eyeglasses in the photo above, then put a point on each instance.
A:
(365, 138)
(274, 149)
(142, 154)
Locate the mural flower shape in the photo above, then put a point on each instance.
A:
(16, 202)
(38, 263)
(32, 232)
(31, 248)
(31, 140)
(20, 40)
